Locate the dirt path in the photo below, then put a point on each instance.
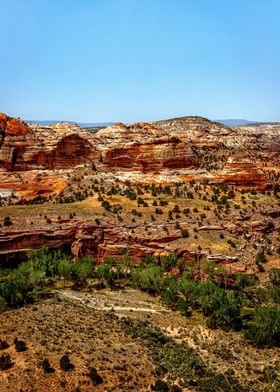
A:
(122, 302)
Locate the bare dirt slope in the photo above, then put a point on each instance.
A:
(86, 326)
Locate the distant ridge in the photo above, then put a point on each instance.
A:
(236, 122)
(82, 125)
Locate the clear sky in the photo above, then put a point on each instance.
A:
(130, 60)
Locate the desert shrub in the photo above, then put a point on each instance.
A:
(219, 383)
(5, 362)
(274, 276)
(4, 345)
(65, 363)
(47, 367)
(260, 257)
(94, 376)
(106, 205)
(175, 388)
(264, 330)
(185, 233)
(260, 267)
(160, 386)
(231, 243)
(20, 345)
(179, 361)
(7, 221)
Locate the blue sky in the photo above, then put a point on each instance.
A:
(130, 60)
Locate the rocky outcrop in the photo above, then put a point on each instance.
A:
(59, 146)
(243, 174)
(143, 147)
(198, 131)
(12, 134)
(260, 137)
(181, 149)
(69, 151)
(262, 226)
(87, 239)
(14, 245)
(201, 131)
(10, 126)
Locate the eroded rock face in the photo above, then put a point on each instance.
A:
(69, 151)
(87, 239)
(243, 174)
(57, 147)
(12, 126)
(144, 147)
(147, 147)
(182, 149)
(198, 131)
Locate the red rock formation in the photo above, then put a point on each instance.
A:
(58, 147)
(173, 148)
(244, 174)
(143, 147)
(69, 152)
(13, 126)
(13, 245)
(86, 240)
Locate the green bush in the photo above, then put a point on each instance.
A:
(274, 276)
(148, 279)
(264, 330)
(169, 292)
(7, 221)
(268, 295)
(106, 273)
(222, 307)
(168, 262)
(227, 315)
(260, 257)
(244, 280)
(64, 268)
(82, 270)
(16, 293)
